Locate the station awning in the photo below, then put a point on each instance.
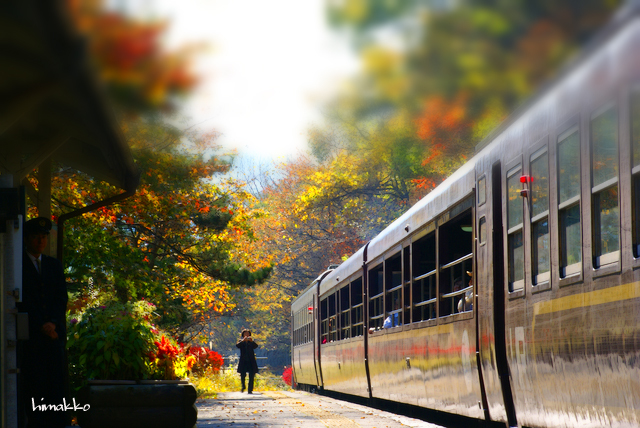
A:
(51, 105)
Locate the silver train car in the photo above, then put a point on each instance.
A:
(511, 292)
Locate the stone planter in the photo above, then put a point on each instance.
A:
(124, 404)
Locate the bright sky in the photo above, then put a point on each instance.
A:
(268, 67)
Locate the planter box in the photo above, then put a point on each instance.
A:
(125, 404)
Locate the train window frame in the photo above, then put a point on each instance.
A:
(378, 318)
(324, 321)
(406, 281)
(427, 232)
(482, 240)
(570, 273)
(393, 288)
(344, 310)
(448, 263)
(333, 316)
(540, 281)
(357, 327)
(515, 287)
(604, 261)
(482, 190)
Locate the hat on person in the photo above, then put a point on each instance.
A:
(39, 225)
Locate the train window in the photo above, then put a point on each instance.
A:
(333, 319)
(393, 286)
(456, 263)
(357, 309)
(324, 322)
(295, 329)
(299, 328)
(482, 190)
(406, 278)
(635, 148)
(376, 299)
(569, 203)
(345, 308)
(310, 322)
(482, 230)
(515, 245)
(424, 283)
(604, 187)
(540, 216)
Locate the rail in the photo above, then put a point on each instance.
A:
(418, 278)
(452, 296)
(455, 262)
(426, 302)
(457, 293)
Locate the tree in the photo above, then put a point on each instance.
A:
(179, 241)
(471, 61)
(175, 242)
(140, 76)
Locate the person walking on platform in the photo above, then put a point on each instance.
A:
(43, 359)
(247, 362)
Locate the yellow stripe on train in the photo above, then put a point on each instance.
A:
(592, 298)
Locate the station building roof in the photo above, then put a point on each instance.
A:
(52, 105)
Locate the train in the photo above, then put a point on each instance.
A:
(511, 292)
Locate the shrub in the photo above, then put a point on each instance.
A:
(206, 360)
(170, 360)
(111, 342)
(119, 342)
(287, 375)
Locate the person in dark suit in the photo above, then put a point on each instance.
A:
(247, 363)
(44, 298)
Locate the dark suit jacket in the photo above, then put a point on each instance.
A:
(247, 363)
(43, 363)
(44, 296)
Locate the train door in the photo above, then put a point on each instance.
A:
(479, 269)
(502, 364)
(316, 338)
(365, 300)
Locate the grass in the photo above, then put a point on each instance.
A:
(228, 380)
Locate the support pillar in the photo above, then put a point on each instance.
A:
(10, 292)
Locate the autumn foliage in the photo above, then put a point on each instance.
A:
(206, 360)
(127, 52)
(287, 376)
(214, 257)
(412, 116)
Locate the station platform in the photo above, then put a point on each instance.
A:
(289, 409)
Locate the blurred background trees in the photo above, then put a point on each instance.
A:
(437, 77)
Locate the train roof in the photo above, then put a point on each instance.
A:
(352, 265)
(295, 306)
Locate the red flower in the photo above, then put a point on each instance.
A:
(287, 375)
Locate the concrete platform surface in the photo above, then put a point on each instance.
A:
(279, 409)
